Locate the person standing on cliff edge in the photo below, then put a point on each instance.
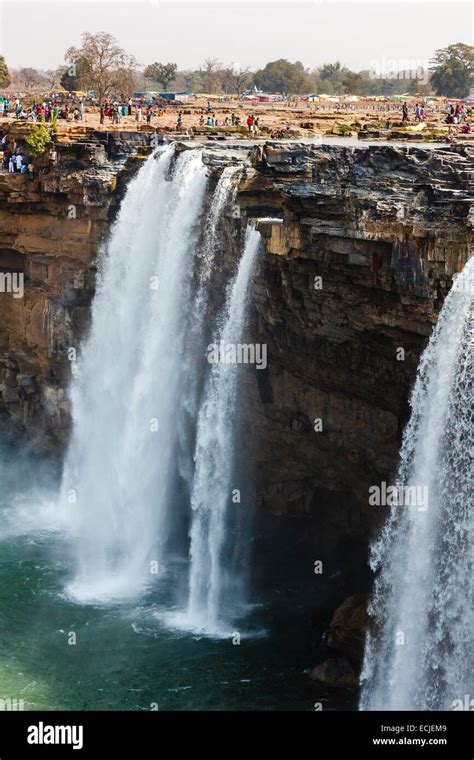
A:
(405, 112)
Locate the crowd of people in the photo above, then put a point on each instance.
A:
(14, 160)
(47, 111)
(138, 110)
(457, 115)
(211, 120)
(116, 111)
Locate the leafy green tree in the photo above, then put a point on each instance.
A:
(331, 71)
(5, 77)
(163, 73)
(193, 81)
(380, 86)
(452, 70)
(415, 87)
(72, 76)
(38, 140)
(352, 82)
(283, 77)
(330, 79)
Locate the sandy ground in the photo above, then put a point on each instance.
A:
(271, 118)
(304, 120)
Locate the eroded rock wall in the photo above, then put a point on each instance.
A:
(51, 226)
(346, 296)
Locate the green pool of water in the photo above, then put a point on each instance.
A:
(56, 654)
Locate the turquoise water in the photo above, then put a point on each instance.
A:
(125, 656)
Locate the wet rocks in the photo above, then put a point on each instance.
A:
(345, 638)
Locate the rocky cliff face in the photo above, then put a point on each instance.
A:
(348, 290)
(360, 250)
(52, 225)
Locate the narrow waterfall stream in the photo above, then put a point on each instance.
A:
(212, 576)
(420, 651)
(196, 337)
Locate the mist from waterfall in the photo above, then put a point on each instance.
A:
(419, 651)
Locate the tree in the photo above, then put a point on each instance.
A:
(38, 140)
(125, 82)
(452, 70)
(235, 79)
(193, 81)
(331, 71)
(415, 87)
(68, 81)
(385, 87)
(99, 64)
(352, 82)
(5, 77)
(54, 77)
(283, 77)
(72, 76)
(211, 74)
(164, 73)
(29, 78)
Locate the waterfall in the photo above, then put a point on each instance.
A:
(419, 651)
(144, 397)
(224, 194)
(129, 381)
(196, 341)
(214, 585)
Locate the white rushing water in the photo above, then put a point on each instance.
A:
(213, 583)
(196, 338)
(149, 412)
(223, 196)
(419, 655)
(129, 381)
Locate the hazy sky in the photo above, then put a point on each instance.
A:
(37, 33)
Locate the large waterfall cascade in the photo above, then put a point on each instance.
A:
(135, 392)
(419, 653)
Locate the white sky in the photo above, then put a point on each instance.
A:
(37, 33)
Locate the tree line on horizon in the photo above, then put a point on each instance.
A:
(100, 65)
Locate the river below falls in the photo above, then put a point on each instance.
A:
(129, 656)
